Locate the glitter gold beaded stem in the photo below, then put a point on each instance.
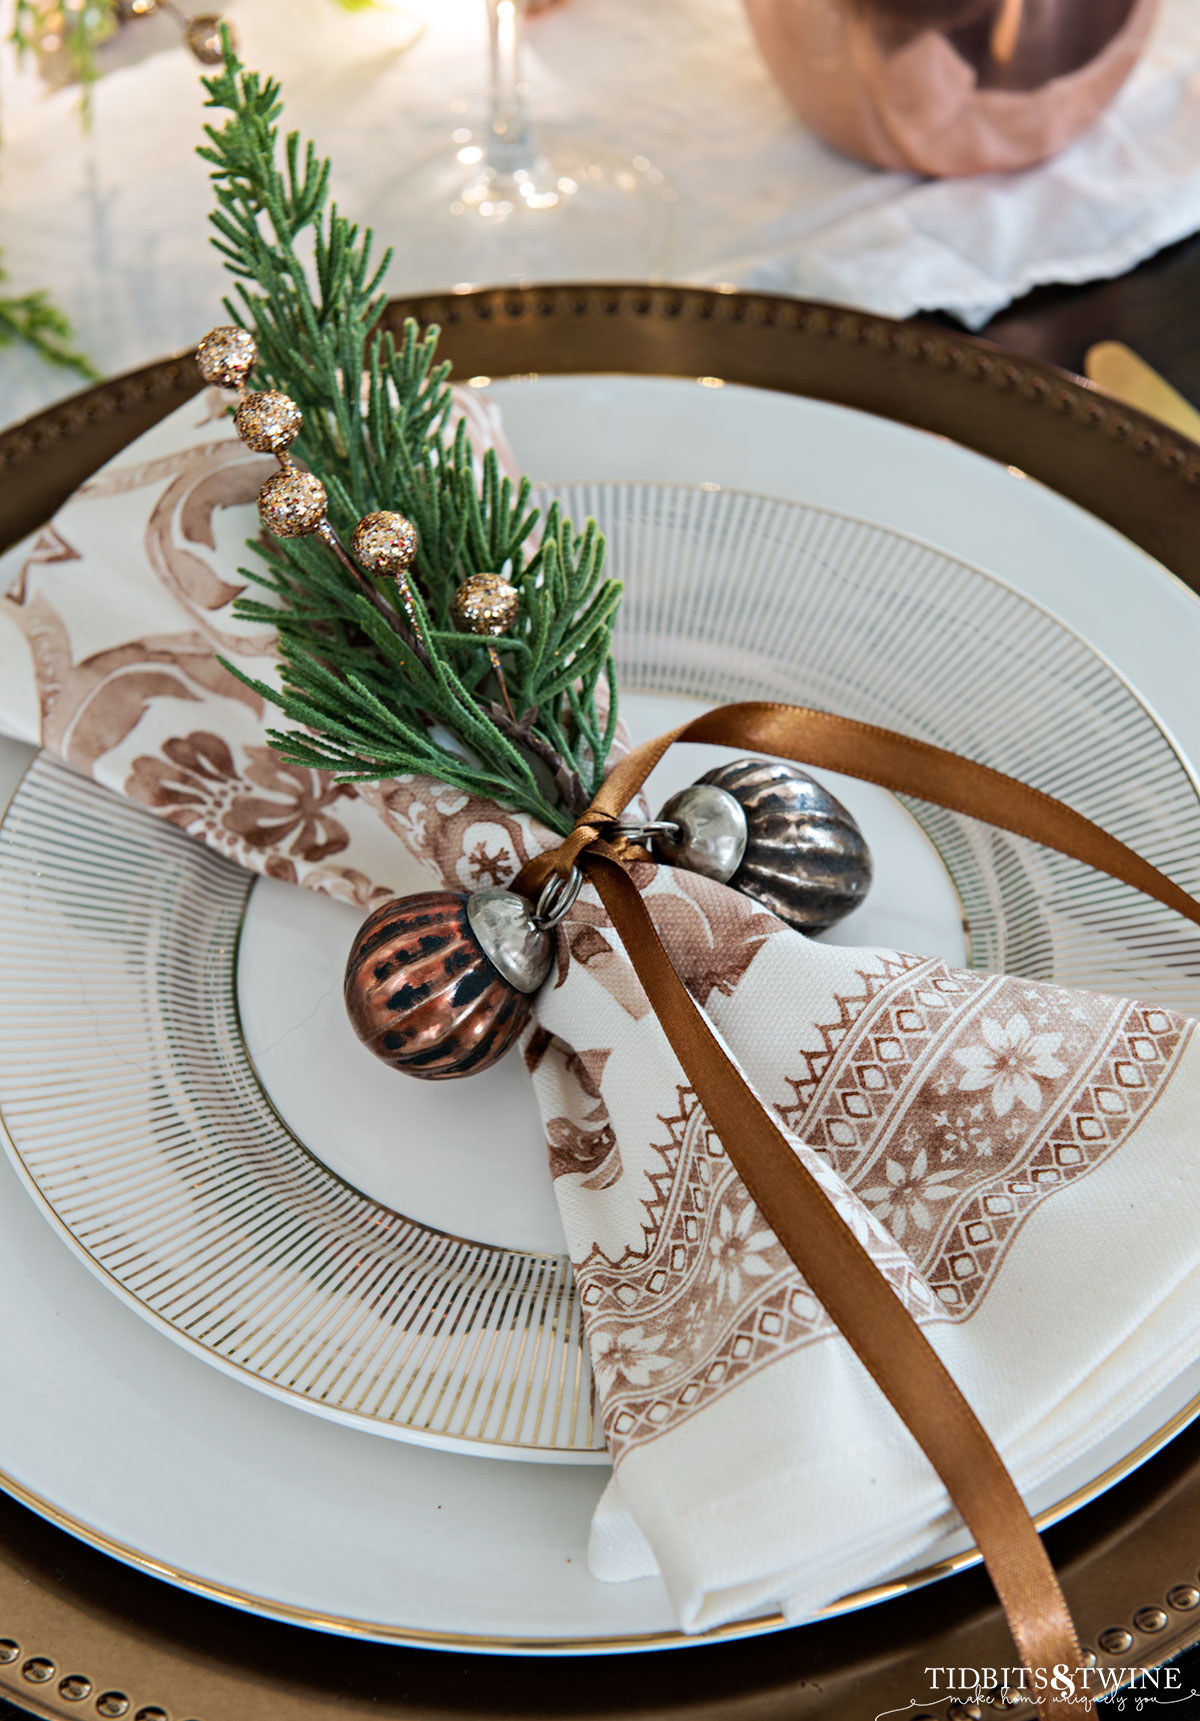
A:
(226, 356)
(487, 605)
(385, 543)
(292, 503)
(410, 634)
(268, 422)
(498, 671)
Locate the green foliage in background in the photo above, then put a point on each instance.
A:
(79, 29)
(30, 319)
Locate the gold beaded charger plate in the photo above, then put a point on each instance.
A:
(856, 1667)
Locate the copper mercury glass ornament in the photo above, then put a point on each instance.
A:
(439, 984)
(202, 34)
(951, 86)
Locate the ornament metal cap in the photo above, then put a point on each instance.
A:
(515, 945)
(702, 829)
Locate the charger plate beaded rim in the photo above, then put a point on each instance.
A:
(246, 1248)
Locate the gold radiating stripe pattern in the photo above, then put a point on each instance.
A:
(732, 596)
(127, 1092)
(135, 1114)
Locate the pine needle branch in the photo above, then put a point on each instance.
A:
(374, 680)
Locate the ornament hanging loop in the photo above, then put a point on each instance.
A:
(640, 830)
(557, 898)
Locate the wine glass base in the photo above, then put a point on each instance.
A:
(571, 212)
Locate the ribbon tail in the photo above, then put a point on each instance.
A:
(871, 1317)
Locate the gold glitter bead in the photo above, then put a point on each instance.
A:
(292, 503)
(384, 543)
(485, 603)
(226, 356)
(268, 422)
(203, 37)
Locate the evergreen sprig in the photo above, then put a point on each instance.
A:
(375, 689)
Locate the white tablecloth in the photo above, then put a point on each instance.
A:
(114, 221)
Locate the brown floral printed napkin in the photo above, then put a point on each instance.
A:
(1018, 1158)
(125, 602)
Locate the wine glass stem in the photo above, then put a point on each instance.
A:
(510, 146)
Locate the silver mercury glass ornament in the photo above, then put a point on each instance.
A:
(773, 832)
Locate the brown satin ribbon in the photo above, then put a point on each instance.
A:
(879, 1329)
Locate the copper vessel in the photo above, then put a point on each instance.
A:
(951, 86)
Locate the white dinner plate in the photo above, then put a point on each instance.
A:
(130, 1443)
(401, 1268)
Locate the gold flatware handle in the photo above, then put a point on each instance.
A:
(1120, 372)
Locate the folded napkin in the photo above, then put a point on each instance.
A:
(1017, 1158)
